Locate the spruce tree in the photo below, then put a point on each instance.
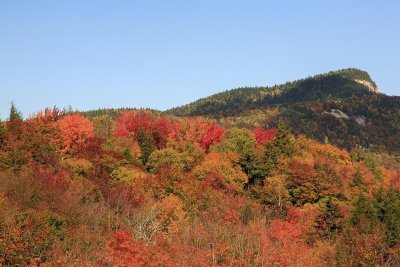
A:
(364, 214)
(2, 133)
(145, 142)
(280, 146)
(329, 221)
(357, 178)
(388, 204)
(15, 114)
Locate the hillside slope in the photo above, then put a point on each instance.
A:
(341, 107)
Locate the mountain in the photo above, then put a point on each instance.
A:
(341, 107)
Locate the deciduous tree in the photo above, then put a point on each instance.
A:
(125, 251)
(76, 131)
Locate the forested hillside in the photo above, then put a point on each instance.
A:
(148, 189)
(340, 107)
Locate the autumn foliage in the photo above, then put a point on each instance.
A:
(76, 131)
(161, 128)
(123, 250)
(263, 136)
(202, 132)
(145, 189)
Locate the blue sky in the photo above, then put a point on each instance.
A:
(159, 54)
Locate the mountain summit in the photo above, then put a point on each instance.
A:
(360, 76)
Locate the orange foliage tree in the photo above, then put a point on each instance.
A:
(221, 171)
(76, 131)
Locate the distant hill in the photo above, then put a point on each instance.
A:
(341, 107)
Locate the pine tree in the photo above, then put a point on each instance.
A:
(389, 213)
(329, 221)
(357, 178)
(2, 133)
(15, 114)
(280, 146)
(146, 145)
(365, 214)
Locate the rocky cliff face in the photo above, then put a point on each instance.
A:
(368, 84)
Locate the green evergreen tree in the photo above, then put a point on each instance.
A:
(2, 133)
(329, 221)
(357, 178)
(145, 142)
(280, 146)
(15, 114)
(253, 166)
(389, 213)
(364, 214)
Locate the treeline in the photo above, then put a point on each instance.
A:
(111, 112)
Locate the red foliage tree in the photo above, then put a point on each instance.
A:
(55, 182)
(124, 251)
(264, 136)
(202, 132)
(283, 244)
(161, 129)
(131, 122)
(213, 134)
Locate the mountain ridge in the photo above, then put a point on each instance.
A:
(342, 107)
(257, 95)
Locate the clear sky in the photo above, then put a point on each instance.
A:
(159, 54)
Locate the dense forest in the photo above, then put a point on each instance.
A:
(341, 107)
(143, 188)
